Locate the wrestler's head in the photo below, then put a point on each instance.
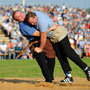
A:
(32, 18)
(18, 16)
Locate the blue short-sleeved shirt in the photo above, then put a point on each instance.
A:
(27, 30)
(44, 22)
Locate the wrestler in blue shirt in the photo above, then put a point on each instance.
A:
(27, 30)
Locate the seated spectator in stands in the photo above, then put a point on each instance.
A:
(77, 41)
(24, 56)
(87, 26)
(20, 44)
(72, 42)
(87, 50)
(81, 44)
(10, 44)
(53, 17)
(7, 27)
(1, 57)
(17, 50)
(83, 55)
(11, 50)
(29, 54)
(78, 51)
(60, 21)
(13, 33)
(14, 41)
(3, 47)
(11, 53)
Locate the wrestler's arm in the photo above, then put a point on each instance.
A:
(43, 38)
(52, 28)
(37, 33)
(42, 42)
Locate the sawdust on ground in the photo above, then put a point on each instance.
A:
(39, 84)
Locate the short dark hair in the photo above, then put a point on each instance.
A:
(14, 14)
(30, 14)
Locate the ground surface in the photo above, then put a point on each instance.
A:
(39, 84)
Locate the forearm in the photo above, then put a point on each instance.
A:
(53, 27)
(43, 39)
(42, 42)
(50, 29)
(36, 33)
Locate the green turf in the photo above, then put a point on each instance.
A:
(30, 69)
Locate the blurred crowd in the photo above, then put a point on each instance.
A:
(76, 20)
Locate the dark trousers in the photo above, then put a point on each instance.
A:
(51, 65)
(46, 64)
(64, 50)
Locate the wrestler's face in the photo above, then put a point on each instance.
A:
(33, 20)
(19, 16)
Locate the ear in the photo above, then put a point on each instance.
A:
(35, 16)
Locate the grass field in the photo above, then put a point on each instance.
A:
(30, 69)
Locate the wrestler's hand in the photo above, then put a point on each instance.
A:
(54, 27)
(38, 50)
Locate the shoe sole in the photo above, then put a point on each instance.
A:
(65, 82)
(88, 79)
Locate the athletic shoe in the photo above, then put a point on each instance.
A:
(67, 80)
(87, 72)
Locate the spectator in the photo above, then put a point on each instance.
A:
(87, 50)
(29, 54)
(1, 52)
(17, 50)
(14, 41)
(3, 47)
(11, 50)
(24, 55)
(78, 51)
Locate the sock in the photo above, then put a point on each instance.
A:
(85, 69)
(68, 74)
